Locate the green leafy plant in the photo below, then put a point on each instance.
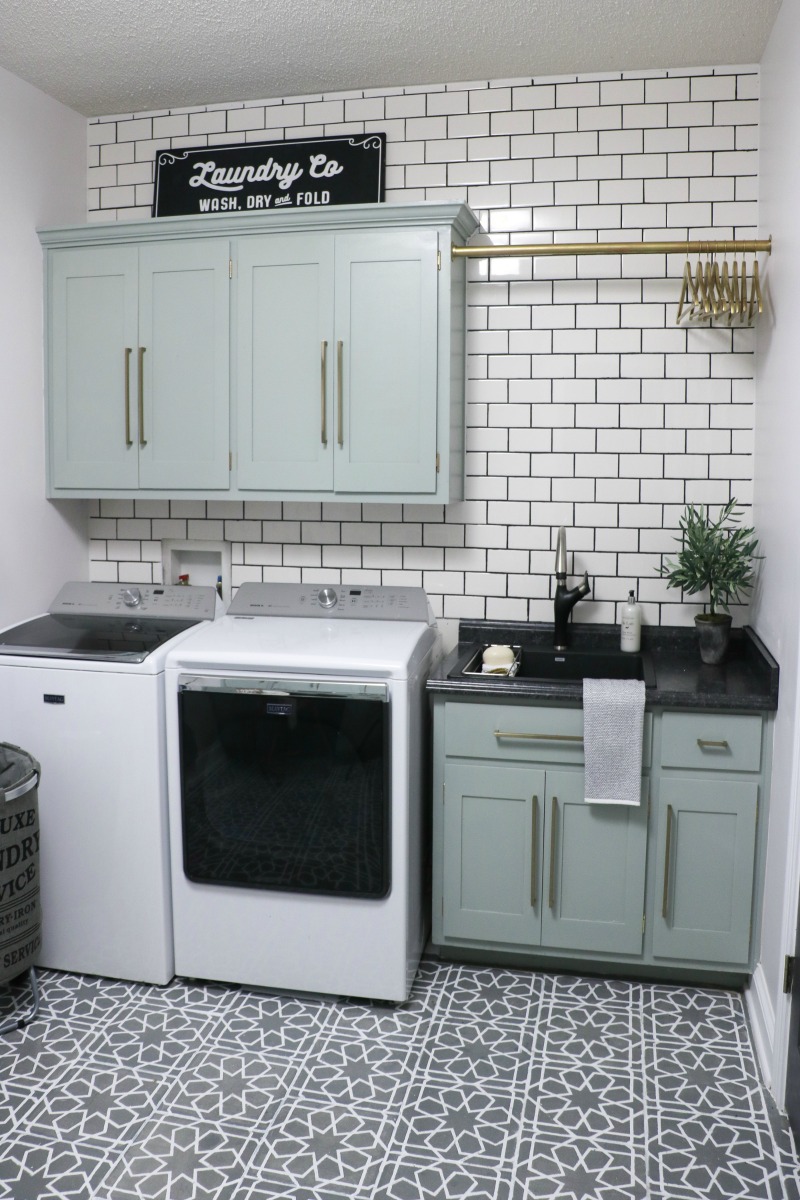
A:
(717, 555)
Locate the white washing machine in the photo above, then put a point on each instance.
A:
(82, 690)
(296, 731)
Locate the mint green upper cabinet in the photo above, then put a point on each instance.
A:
(94, 335)
(138, 371)
(184, 333)
(386, 363)
(337, 364)
(315, 354)
(284, 355)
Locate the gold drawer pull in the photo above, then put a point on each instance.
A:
(534, 849)
(667, 856)
(539, 737)
(551, 899)
(706, 744)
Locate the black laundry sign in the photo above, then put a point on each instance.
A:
(262, 176)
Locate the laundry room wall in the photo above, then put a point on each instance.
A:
(43, 155)
(587, 406)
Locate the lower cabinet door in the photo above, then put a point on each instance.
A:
(704, 881)
(594, 870)
(493, 839)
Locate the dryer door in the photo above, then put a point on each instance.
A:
(285, 784)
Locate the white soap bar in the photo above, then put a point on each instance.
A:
(497, 656)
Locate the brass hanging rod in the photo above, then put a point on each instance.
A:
(562, 249)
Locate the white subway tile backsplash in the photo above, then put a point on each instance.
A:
(587, 406)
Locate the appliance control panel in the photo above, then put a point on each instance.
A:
(167, 601)
(332, 601)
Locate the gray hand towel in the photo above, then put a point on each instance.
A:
(613, 721)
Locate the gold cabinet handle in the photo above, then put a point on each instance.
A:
(551, 899)
(142, 441)
(667, 856)
(539, 737)
(705, 744)
(339, 394)
(128, 352)
(322, 394)
(534, 851)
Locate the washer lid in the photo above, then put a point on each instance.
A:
(107, 639)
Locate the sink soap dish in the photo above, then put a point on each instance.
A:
(501, 661)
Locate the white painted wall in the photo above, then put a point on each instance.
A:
(777, 517)
(43, 156)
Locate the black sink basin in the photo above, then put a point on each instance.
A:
(542, 663)
(546, 665)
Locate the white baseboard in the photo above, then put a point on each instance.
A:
(762, 1026)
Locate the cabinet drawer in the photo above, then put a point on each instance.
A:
(521, 733)
(711, 741)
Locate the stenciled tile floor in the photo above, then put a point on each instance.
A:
(491, 1084)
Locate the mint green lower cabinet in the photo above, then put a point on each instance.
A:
(704, 882)
(594, 870)
(528, 862)
(523, 866)
(493, 849)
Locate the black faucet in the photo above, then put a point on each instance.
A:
(566, 598)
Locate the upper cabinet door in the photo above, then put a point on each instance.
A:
(284, 362)
(386, 363)
(92, 368)
(183, 364)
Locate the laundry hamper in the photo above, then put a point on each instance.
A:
(20, 913)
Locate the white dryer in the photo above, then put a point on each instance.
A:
(82, 690)
(296, 729)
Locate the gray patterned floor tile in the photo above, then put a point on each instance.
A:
(470, 1053)
(490, 1084)
(703, 1078)
(718, 1159)
(176, 1160)
(578, 1168)
(151, 1040)
(472, 1126)
(329, 1149)
(240, 1090)
(576, 1034)
(94, 1106)
(492, 994)
(587, 1101)
(47, 1170)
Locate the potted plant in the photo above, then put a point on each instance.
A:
(718, 556)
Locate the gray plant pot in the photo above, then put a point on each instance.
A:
(714, 635)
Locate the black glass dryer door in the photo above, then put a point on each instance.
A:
(285, 785)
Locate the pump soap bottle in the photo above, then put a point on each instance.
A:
(630, 626)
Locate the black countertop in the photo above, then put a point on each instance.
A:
(746, 681)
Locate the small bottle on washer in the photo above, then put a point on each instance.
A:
(630, 626)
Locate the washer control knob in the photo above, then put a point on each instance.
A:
(327, 597)
(131, 597)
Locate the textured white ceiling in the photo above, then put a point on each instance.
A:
(103, 57)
